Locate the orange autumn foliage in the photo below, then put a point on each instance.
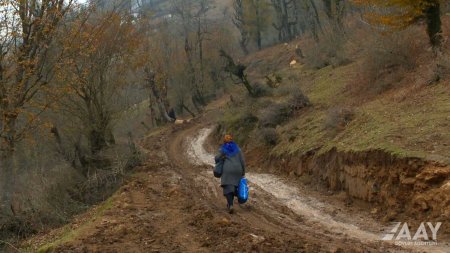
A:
(395, 13)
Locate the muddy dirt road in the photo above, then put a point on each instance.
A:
(318, 216)
(174, 204)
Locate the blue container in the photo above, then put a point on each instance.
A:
(243, 191)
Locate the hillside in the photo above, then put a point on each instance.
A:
(408, 121)
(336, 112)
(394, 141)
(388, 148)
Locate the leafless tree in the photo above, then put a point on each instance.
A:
(27, 57)
(239, 22)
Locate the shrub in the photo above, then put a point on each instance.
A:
(329, 50)
(260, 90)
(443, 59)
(298, 100)
(268, 136)
(285, 90)
(297, 97)
(443, 66)
(387, 58)
(239, 123)
(275, 114)
(274, 80)
(338, 118)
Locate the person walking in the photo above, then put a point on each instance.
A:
(233, 169)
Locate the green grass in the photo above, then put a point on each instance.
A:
(413, 127)
(302, 134)
(328, 85)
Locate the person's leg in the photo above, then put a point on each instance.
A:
(229, 193)
(230, 200)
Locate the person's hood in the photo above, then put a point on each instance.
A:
(230, 149)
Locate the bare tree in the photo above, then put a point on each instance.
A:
(335, 9)
(96, 74)
(193, 17)
(284, 19)
(159, 98)
(237, 70)
(29, 29)
(239, 22)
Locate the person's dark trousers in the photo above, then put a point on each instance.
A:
(230, 199)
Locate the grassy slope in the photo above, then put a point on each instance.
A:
(411, 124)
(406, 121)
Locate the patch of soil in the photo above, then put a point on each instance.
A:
(395, 189)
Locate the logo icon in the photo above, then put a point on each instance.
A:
(401, 234)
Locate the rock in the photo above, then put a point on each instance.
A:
(434, 175)
(173, 191)
(338, 250)
(256, 238)
(223, 222)
(421, 203)
(390, 216)
(408, 181)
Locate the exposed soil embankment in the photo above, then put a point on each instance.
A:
(398, 189)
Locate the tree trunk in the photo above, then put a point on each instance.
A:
(243, 44)
(285, 21)
(298, 29)
(156, 94)
(188, 110)
(200, 52)
(316, 15)
(334, 9)
(238, 21)
(7, 173)
(7, 181)
(340, 13)
(434, 25)
(152, 111)
(237, 70)
(9, 132)
(97, 140)
(195, 103)
(259, 40)
(193, 78)
(285, 10)
(258, 27)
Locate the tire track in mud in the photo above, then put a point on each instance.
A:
(310, 209)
